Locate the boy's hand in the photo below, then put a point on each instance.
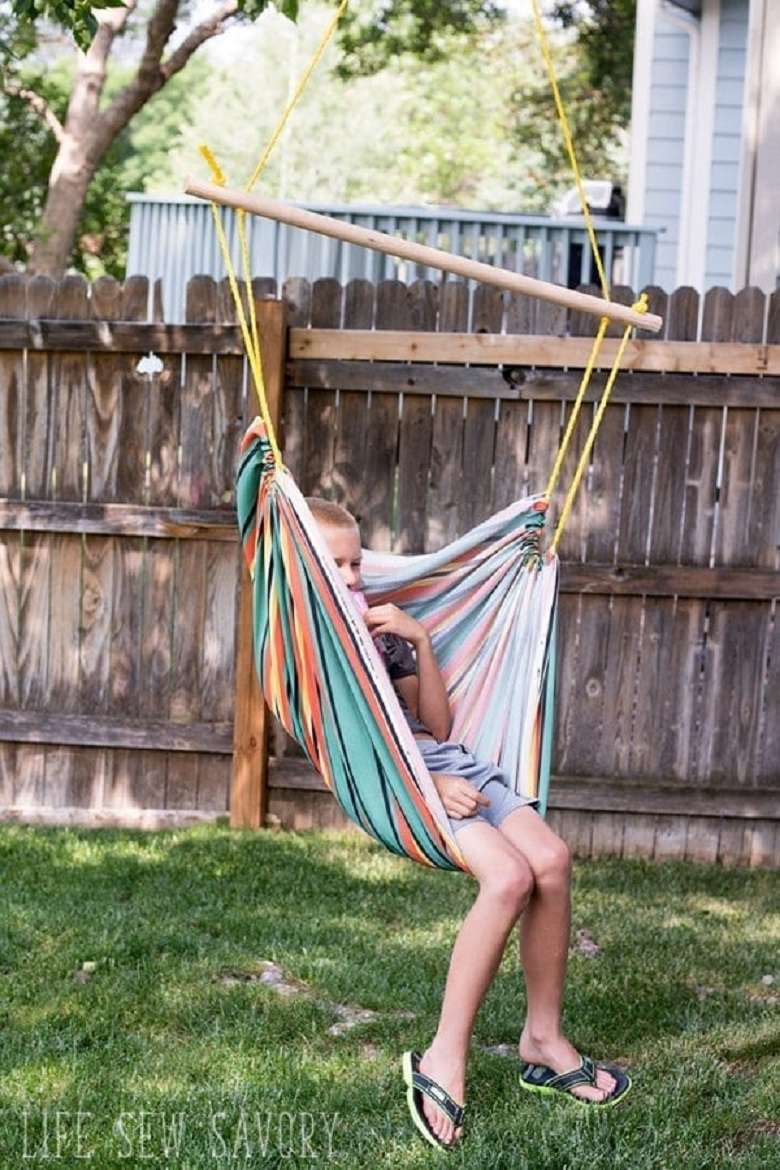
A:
(460, 799)
(389, 619)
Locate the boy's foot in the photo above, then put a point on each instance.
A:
(453, 1079)
(561, 1056)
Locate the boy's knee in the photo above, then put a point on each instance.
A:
(553, 863)
(512, 885)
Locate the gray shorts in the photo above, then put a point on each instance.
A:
(456, 760)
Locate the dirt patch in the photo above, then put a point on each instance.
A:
(271, 975)
(585, 944)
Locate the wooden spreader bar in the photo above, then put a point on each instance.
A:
(502, 278)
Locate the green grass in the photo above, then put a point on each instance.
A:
(155, 1033)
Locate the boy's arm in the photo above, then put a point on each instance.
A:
(431, 704)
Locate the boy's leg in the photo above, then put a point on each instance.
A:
(544, 945)
(505, 884)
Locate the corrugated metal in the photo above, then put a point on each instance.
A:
(173, 239)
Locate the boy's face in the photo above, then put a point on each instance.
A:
(344, 544)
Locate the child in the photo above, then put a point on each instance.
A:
(521, 865)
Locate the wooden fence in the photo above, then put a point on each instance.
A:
(421, 408)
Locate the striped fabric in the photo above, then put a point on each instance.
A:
(489, 601)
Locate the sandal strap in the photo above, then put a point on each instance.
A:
(584, 1075)
(442, 1098)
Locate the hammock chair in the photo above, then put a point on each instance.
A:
(488, 600)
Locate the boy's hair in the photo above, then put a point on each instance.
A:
(329, 512)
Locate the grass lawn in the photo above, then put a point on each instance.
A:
(176, 1053)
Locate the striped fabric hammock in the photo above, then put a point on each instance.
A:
(489, 602)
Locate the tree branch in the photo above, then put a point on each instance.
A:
(152, 73)
(207, 29)
(36, 103)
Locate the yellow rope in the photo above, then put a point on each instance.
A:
(640, 306)
(584, 383)
(252, 348)
(249, 330)
(569, 143)
(298, 92)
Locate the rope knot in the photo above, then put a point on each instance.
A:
(642, 303)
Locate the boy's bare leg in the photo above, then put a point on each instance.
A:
(505, 884)
(544, 945)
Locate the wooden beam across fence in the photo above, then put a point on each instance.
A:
(490, 349)
(353, 345)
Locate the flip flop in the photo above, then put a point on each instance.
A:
(538, 1078)
(418, 1083)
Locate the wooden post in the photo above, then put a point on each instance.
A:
(502, 278)
(249, 781)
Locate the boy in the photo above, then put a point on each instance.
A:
(521, 865)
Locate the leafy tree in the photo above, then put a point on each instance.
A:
(93, 121)
(404, 134)
(142, 148)
(593, 53)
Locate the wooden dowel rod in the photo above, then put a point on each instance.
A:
(517, 282)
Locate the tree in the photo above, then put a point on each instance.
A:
(92, 122)
(593, 53)
(142, 148)
(402, 134)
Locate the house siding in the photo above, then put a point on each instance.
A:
(726, 143)
(666, 143)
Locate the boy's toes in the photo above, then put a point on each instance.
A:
(605, 1081)
(438, 1121)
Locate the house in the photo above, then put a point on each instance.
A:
(705, 140)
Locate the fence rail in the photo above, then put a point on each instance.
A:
(120, 577)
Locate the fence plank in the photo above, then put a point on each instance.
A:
(321, 418)
(479, 423)
(163, 420)
(445, 480)
(350, 467)
(195, 487)
(510, 474)
(732, 697)
(732, 533)
(13, 304)
(228, 407)
(665, 667)
(418, 306)
(69, 382)
(10, 571)
(37, 452)
(764, 519)
(381, 449)
(618, 684)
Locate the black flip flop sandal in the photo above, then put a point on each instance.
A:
(538, 1078)
(418, 1083)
